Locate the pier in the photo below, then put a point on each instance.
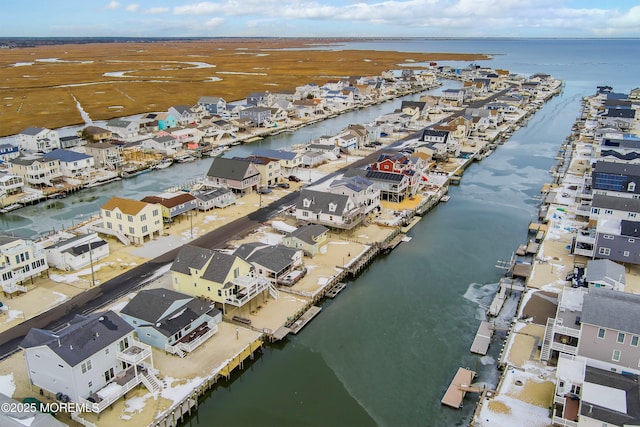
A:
(335, 289)
(458, 388)
(482, 340)
(506, 283)
(304, 319)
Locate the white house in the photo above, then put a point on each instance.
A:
(126, 130)
(77, 252)
(20, 260)
(72, 163)
(38, 139)
(167, 144)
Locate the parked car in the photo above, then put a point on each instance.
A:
(293, 178)
(283, 184)
(264, 190)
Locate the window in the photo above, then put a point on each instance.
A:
(108, 375)
(608, 237)
(130, 218)
(620, 338)
(132, 230)
(118, 215)
(634, 341)
(155, 212)
(109, 225)
(616, 355)
(144, 228)
(107, 214)
(632, 215)
(601, 332)
(604, 251)
(608, 212)
(143, 217)
(106, 350)
(631, 186)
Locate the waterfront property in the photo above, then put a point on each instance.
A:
(173, 204)
(309, 238)
(329, 209)
(38, 139)
(94, 360)
(130, 220)
(214, 198)
(21, 260)
(276, 263)
(237, 175)
(171, 321)
(77, 252)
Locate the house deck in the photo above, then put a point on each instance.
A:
(458, 388)
(202, 329)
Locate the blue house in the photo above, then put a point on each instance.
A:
(8, 152)
(213, 104)
(170, 320)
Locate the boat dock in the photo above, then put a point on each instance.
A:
(458, 388)
(498, 301)
(304, 319)
(335, 289)
(482, 340)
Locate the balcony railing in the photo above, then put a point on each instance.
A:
(565, 330)
(250, 287)
(98, 404)
(135, 353)
(564, 348)
(559, 421)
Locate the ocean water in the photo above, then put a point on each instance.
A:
(384, 351)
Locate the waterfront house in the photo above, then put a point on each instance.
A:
(619, 147)
(308, 238)
(130, 220)
(183, 114)
(237, 175)
(416, 109)
(94, 361)
(620, 118)
(270, 170)
(8, 152)
(72, 141)
(312, 158)
(186, 135)
(96, 134)
(614, 239)
(173, 204)
(166, 144)
(325, 208)
(586, 395)
(562, 332)
(288, 159)
(166, 120)
(213, 105)
(604, 273)
(41, 140)
(228, 280)
(259, 99)
(605, 207)
(72, 163)
(218, 129)
(456, 97)
(36, 171)
(20, 260)
(208, 199)
(360, 189)
(124, 130)
(610, 330)
(278, 264)
(9, 185)
(259, 116)
(616, 179)
(105, 155)
(330, 151)
(77, 252)
(171, 321)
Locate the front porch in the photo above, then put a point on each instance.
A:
(193, 340)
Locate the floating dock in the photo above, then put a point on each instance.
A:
(458, 388)
(304, 319)
(498, 301)
(335, 289)
(483, 338)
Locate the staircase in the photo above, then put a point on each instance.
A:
(545, 352)
(99, 229)
(275, 294)
(12, 285)
(174, 349)
(151, 382)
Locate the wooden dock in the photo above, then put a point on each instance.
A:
(458, 388)
(500, 297)
(335, 289)
(304, 319)
(483, 338)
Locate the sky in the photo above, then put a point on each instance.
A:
(321, 18)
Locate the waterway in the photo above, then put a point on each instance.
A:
(384, 351)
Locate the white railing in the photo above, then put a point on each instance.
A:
(150, 381)
(173, 350)
(99, 229)
(135, 353)
(273, 292)
(98, 407)
(560, 400)
(559, 421)
(564, 348)
(583, 252)
(565, 330)
(251, 286)
(77, 418)
(192, 345)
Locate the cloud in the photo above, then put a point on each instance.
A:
(214, 22)
(132, 7)
(113, 5)
(157, 10)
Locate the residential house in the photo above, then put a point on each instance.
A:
(616, 179)
(20, 260)
(237, 175)
(312, 158)
(38, 139)
(332, 210)
(8, 152)
(259, 116)
(214, 198)
(166, 120)
(622, 147)
(183, 114)
(610, 330)
(186, 135)
(96, 134)
(456, 97)
(166, 144)
(269, 169)
(308, 238)
(77, 252)
(620, 118)
(279, 264)
(605, 207)
(10, 185)
(171, 321)
(393, 162)
(288, 159)
(94, 361)
(259, 99)
(360, 189)
(614, 239)
(72, 141)
(173, 204)
(604, 273)
(130, 220)
(19, 414)
(125, 130)
(586, 395)
(394, 187)
(416, 109)
(72, 163)
(36, 171)
(105, 155)
(228, 280)
(219, 129)
(213, 105)
(330, 151)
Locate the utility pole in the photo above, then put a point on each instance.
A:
(93, 279)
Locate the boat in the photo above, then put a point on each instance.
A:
(10, 208)
(165, 163)
(185, 158)
(131, 174)
(445, 198)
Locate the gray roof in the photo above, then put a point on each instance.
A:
(627, 383)
(599, 270)
(308, 233)
(167, 311)
(355, 183)
(190, 257)
(118, 123)
(182, 109)
(626, 204)
(4, 239)
(612, 309)
(245, 250)
(32, 131)
(219, 267)
(320, 202)
(209, 100)
(274, 154)
(214, 193)
(235, 169)
(84, 337)
(629, 169)
(274, 258)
